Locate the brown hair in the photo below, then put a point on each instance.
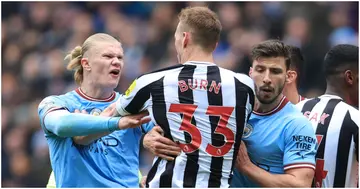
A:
(272, 48)
(78, 52)
(203, 24)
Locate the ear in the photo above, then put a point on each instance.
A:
(250, 71)
(186, 39)
(85, 64)
(291, 76)
(349, 77)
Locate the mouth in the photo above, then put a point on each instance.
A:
(115, 73)
(267, 90)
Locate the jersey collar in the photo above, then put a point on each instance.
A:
(282, 103)
(83, 95)
(199, 62)
(331, 96)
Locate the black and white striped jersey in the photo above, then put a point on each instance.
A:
(204, 109)
(337, 130)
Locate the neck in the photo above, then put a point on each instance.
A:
(263, 108)
(94, 91)
(291, 93)
(197, 54)
(338, 91)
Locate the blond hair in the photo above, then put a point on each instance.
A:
(204, 25)
(78, 52)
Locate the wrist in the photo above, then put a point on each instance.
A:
(113, 124)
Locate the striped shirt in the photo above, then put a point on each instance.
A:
(204, 109)
(336, 126)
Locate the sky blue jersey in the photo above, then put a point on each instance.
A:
(277, 141)
(110, 161)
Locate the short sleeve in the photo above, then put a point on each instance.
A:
(47, 105)
(300, 145)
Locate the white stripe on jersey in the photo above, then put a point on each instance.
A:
(332, 143)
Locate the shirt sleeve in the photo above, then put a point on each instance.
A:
(136, 97)
(147, 127)
(47, 105)
(300, 145)
(57, 120)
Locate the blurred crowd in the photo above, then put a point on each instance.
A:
(37, 35)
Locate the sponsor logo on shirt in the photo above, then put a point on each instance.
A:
(131, 88)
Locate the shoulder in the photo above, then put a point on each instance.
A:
(162, 71)
(353, 112)
(294, 119)
(56, 100)
(153, 76)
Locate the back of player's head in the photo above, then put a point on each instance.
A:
(271, 49)
(203, 24)
(296, 61)
(340, 58)
(78, 52)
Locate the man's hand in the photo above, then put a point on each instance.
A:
(132, 121)
(110, 111)
(156, 143)
(242, 159)
(143, 182)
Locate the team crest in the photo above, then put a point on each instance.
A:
(247, 130)
(131, 88)
(95, 112)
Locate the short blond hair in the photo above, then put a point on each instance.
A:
(78, 52)
(204, 25)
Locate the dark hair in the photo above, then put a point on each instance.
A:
(296, 62)
(340, 56)
(204, 25)
(271, 48)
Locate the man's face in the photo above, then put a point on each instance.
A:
(106, 62)
(269, 75)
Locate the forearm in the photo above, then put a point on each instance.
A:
(66, 124)
(266, 179)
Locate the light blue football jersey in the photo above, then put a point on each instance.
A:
(276, 141)
(111, 161)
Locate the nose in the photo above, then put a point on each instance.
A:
(116, 62)
(266, 79)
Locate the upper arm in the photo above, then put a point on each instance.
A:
(47, 105)
(299, 145)
(250, 88)
(136, 97)
(304, 176)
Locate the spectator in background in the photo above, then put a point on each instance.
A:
(40, 31)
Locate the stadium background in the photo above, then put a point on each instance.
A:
(36, 36)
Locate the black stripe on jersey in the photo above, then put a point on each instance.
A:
(186, 97)
(241, 93)
(347, 132)
(159, 106)
(152, 172)
(213, 74)
(309, 105)
(138, 101)
(322, 129)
